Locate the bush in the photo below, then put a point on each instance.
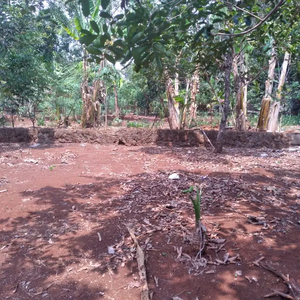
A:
(41, 122)
(116, 122)
(290, 121)
(3, 121)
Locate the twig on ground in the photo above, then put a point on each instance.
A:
(277, 293)
(203, 132)
(256, 262)
(294, 289)
(140, 257)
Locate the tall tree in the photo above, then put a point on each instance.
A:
(26, 52)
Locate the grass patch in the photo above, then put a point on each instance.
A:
(135, 124)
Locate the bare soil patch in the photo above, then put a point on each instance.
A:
(64, 207)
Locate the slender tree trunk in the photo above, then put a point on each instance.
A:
(266, 101)
(271, 73)
(12, 120)
(96, 102)
(220, 137)
(117, 109)
(174, 119)
(194, 91)
(275, 107)
(84, 90)
(283, 72)
(176, 85)
(106, 111)
(241, 91)
(184, 121)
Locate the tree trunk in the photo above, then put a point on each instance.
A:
(92, 97)
(174, 120)
(273, 117)
(84, 89)
(241, 92)
(271, 73)
(106, 111)
(220, 137)
(117, 109)
(183, 121)
(98, 96)
(275, 108)
(282, 77)
(264, 113)
(263, 119)
(194, 90)
(176, 88)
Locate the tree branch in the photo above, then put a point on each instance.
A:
(281, 2)
(244, 10)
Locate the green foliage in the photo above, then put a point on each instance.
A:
(136, 124)
(252, 119)
(3, 121)
(207, 119)
(41, 122)
(41, 53)
(290, 121)
(26, 53)
(65, 97)
(116, 122)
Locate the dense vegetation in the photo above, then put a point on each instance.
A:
(175, 59)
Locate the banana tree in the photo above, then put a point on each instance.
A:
(266, 101)
(87, 24)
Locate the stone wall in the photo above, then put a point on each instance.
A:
(136, 136)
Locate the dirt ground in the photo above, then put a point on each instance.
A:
(64, 211)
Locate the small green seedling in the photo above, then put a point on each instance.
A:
(196, 203)
(200, 228)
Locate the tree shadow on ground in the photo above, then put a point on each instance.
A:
(59, 248)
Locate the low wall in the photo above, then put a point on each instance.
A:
(136, 136)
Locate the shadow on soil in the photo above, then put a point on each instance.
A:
(59, 249)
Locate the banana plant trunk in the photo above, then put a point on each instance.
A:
(275, 107)
(173, 106)
(92, 97)
(263, 118)
(184, 120)
(273, 117)
(241, 91)
(286, 62)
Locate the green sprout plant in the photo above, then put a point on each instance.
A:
(199, 227)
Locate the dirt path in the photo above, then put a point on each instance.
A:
(63, 206)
